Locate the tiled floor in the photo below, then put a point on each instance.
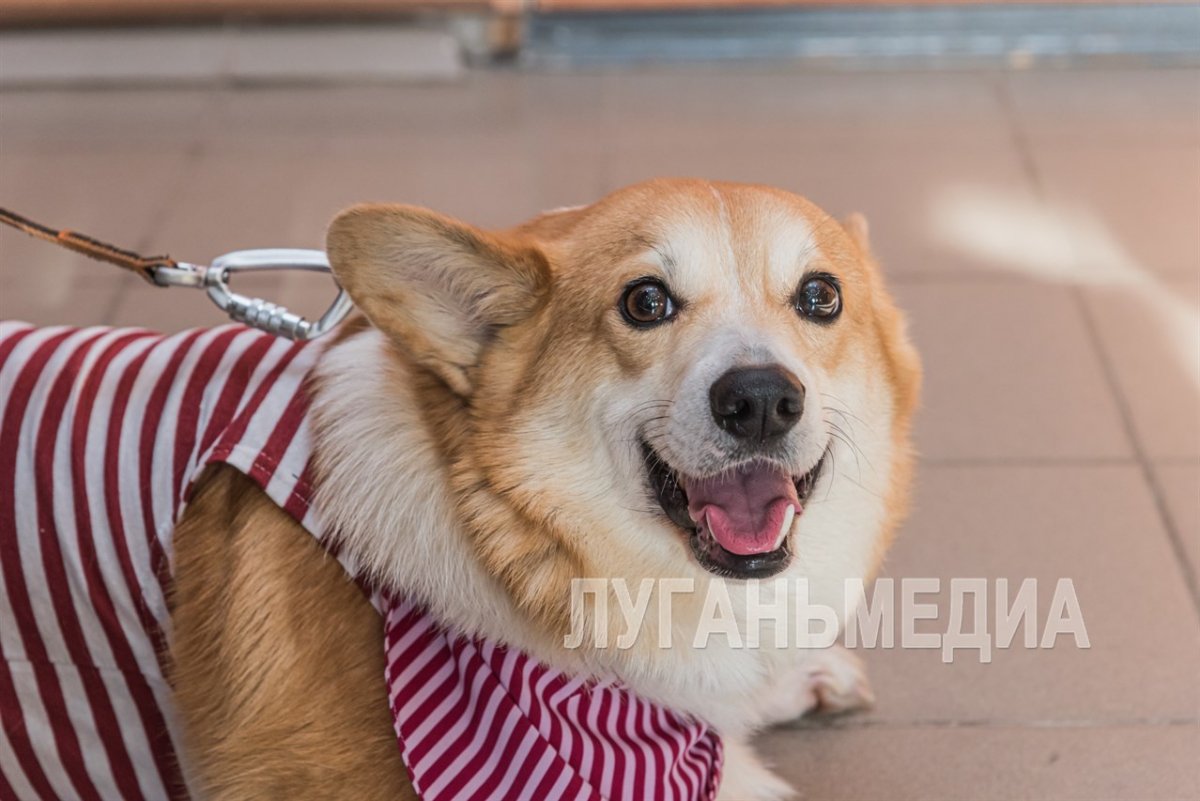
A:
(1042, 229)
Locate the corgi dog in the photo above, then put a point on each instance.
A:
(686, 380)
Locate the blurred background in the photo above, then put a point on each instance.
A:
(1032, 177)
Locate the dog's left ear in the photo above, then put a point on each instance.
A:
(439, 288)
(856, 226)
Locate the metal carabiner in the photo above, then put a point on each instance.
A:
(257, 312)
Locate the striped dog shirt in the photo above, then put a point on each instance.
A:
(103, 433)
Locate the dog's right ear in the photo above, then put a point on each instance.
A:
(436, 286)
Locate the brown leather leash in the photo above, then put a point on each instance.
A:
(163, 271)
(91, 247)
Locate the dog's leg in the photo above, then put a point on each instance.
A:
(745, 778)
(827, 681)
(277, 658)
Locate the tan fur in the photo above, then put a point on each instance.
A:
(899, 360)
(460, 282)
(277, 658)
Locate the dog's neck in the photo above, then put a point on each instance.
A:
(396, 495)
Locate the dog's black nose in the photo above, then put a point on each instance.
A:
(759, 404)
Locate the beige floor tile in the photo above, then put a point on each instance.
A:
(1098, 527)
(486, 180)
(1151, 333)
(115, 187)
(1137, 205)
(56, 302)
(239, 200)
(70, 119)
(1143, 763)
(886, 111)
(1139, 106)
(1009, 373)
(1180, 484)
(480, 103)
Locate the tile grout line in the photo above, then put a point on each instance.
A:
(852, 724)
(193, 155)
(1141, 458)
(1033, 461)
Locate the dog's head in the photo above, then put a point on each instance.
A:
(682, 379)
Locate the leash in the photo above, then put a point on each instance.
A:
(163, 271)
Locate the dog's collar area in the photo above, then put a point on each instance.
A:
(668, 489)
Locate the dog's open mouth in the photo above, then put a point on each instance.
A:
(738, 522)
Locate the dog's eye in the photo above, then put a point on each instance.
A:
(819, 298)
(647, 302)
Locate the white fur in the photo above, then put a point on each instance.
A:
(384, 493)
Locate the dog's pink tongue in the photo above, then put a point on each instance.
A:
(745, 510)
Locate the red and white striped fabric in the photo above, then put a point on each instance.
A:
(479, 722)
(102, 434)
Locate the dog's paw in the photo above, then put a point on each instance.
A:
(827, 681)
(835, 681)
(745, 778)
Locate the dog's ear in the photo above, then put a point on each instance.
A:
(856, 226)
(438, 287)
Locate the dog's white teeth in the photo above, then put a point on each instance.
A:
(788, 517)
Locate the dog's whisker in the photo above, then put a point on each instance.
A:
(856, 482)
(844, 408)
(842, 415)
(856, 464)
(833, 472)
(850, 443)
(651, 404)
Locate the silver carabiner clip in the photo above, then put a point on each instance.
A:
(257, 312)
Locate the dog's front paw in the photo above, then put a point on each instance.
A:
(745, 778)
(826, 681)
(835, 681)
